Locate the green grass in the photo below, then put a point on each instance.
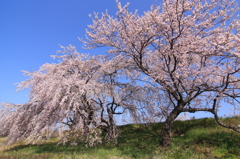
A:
(198, 139)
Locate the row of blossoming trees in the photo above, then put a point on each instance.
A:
(181, 57)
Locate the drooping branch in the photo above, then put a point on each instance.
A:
(214, 112)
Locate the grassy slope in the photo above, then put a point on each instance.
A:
(201, 138)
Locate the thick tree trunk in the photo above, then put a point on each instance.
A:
(165, 138)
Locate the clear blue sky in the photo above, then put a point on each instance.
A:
(31, 31)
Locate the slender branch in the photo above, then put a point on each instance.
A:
(214, 112)
(217, 118)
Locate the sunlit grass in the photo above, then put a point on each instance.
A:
(201, 138)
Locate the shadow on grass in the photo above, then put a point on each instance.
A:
(48, 148)
(223, 140)
(182, 127)
(141, 140)
(16, 156)
(135, 141)
(210, 139)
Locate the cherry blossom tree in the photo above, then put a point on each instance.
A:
(79, 96)
(180, 57)
(188, 51)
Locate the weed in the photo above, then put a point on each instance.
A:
(201, 138)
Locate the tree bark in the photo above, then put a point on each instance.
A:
(165, 138)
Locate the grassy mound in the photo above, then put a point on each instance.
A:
(201, 138)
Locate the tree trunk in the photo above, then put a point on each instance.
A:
(165, 138)
(112, 133)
